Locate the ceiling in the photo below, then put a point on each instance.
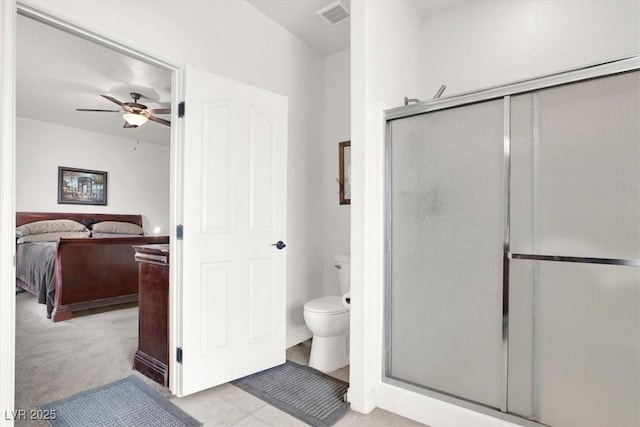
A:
(58, 72)
(301, 19)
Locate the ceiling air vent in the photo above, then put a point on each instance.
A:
(334, 13)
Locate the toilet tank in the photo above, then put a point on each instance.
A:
(343, 265)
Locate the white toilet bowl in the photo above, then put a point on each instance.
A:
(328, 319)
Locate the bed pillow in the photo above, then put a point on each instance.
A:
(98, 235)
(49, 226)
(54, 236)
(117, 227)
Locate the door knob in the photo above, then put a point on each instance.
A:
(279, 244)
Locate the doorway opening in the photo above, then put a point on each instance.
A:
(60, 68)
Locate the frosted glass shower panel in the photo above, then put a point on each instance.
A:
(576, 169)
(574, 343)
(446, 230)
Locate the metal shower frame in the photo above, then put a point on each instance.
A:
(625, 65)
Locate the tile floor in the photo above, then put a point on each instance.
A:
(61, 369)
(227, 405)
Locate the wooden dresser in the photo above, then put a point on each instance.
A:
(152, 357)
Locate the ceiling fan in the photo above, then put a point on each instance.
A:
(133, 113)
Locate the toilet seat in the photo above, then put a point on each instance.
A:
(327, 305)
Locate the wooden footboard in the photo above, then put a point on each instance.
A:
(96, 272)
(92, 272)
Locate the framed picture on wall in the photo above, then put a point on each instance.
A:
(344, 161)
(81, 186)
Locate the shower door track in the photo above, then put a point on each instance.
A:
(623, 65)
(620, 66)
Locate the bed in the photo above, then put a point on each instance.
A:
(79, 272)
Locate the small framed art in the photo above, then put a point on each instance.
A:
(81, 186)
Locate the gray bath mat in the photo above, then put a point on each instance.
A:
(306, 393)
(127, 402)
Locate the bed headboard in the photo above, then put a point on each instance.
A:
(84, 218)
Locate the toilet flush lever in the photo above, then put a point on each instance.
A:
(279, 244)
(338, 266)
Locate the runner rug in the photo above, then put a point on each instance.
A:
(301, 391)
(126, 402)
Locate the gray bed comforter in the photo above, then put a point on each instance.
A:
(36, 265)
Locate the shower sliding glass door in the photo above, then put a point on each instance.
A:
(447, 204)
(575, 238)
(513, 248)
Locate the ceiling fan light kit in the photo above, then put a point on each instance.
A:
(133, 113)
(134, 119)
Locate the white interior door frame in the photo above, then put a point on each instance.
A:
(7, 205)
(55, 17)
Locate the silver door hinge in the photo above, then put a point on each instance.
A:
(179, 232)
(179, 355)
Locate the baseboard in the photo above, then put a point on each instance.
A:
(299, 335)
(363, 403)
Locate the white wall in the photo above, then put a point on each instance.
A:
(337, 128)
(235, 40)
(487, 43)
(137, 172)
(479, 44)
(386, 66)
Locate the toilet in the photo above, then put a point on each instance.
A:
(328, 320)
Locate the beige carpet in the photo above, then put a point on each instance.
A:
(57, 360)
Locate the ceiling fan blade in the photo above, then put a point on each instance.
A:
(106, 111)
(159, 110)
(120, 103)
(159, 120)
(112, 99)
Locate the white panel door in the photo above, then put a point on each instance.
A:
(234, 278)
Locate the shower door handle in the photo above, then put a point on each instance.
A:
(575, 259)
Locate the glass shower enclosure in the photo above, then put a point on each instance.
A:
(512, 260)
